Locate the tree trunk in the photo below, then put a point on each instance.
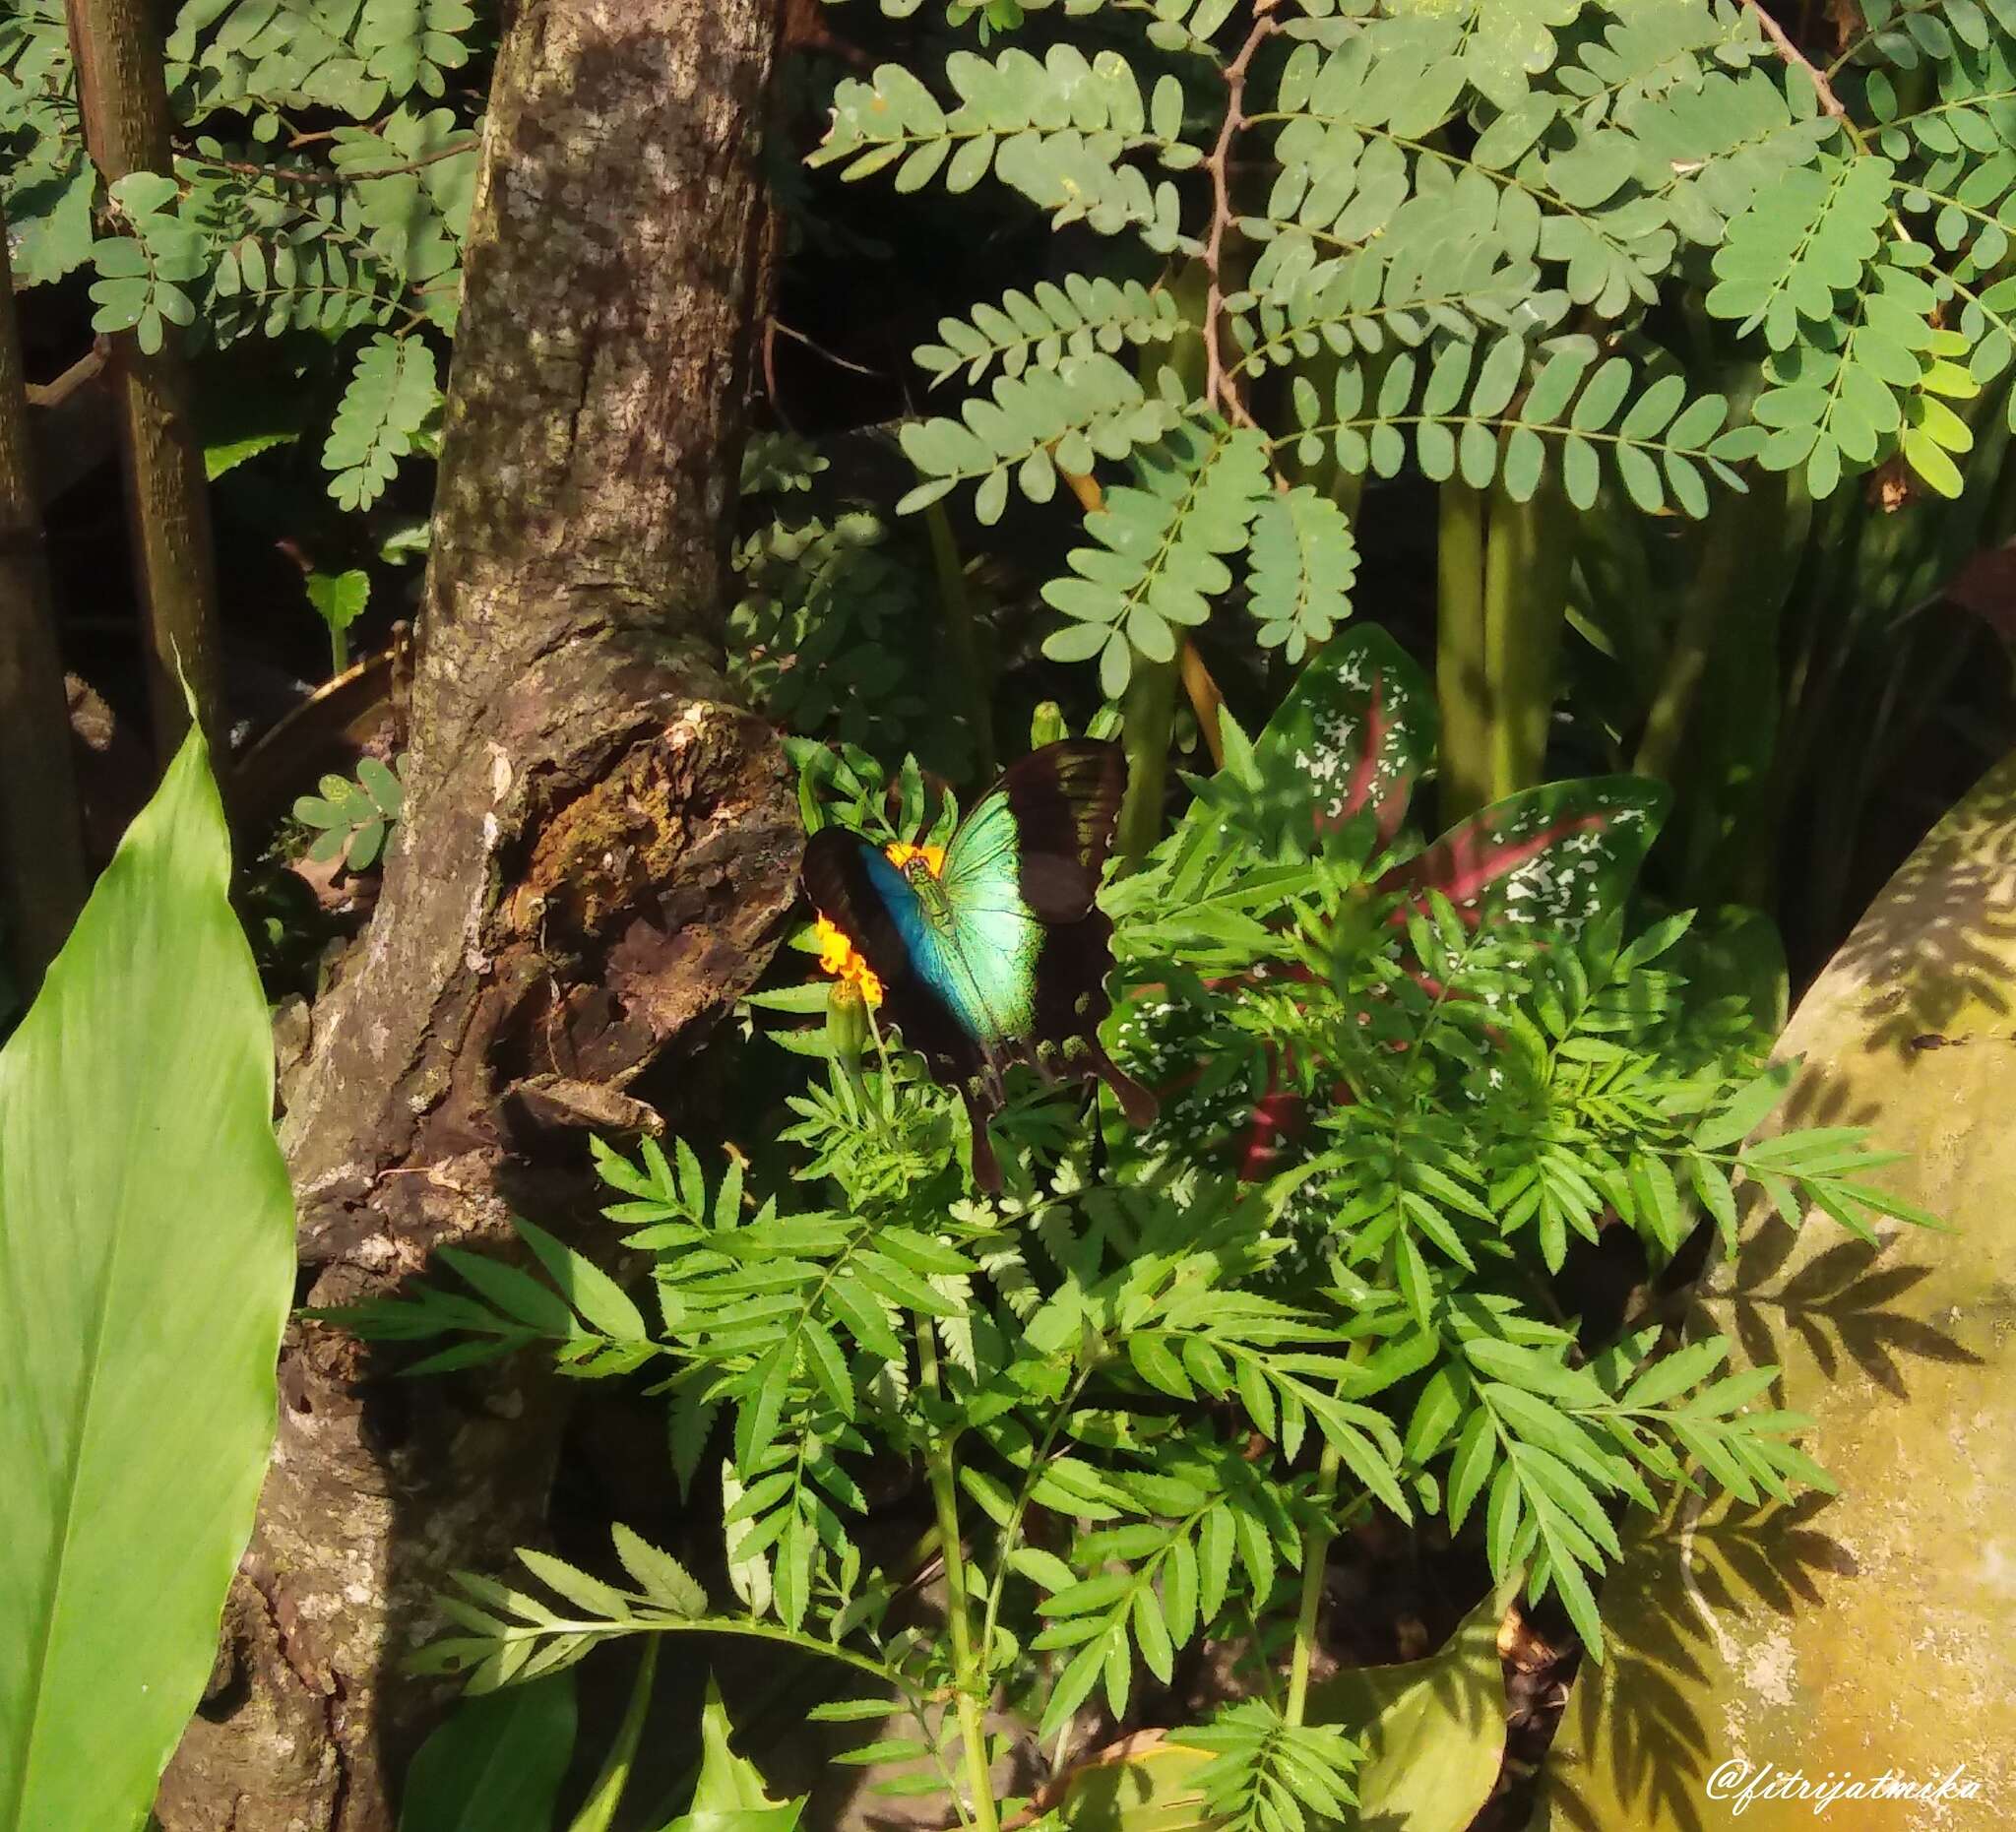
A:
(41, 845)
(598, 852)
(123, 97)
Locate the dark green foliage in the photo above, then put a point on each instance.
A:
(832, 634)
(1200, 1367)
(267, 227)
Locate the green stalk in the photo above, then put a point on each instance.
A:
(1716, 584)
(1462, 662)
(1528, 550)
(1146, 723)
(962, 632)
(969, 1673)
(600, 1808)
(1504, 571)
(1011, 1533)
(1315, 1552)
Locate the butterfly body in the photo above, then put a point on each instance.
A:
(995, 952)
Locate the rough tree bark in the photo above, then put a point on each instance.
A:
(41, 845)
(599, 854)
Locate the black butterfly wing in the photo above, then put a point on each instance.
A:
(1066, 802)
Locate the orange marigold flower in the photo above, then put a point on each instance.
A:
(836, 956)
(900, 853)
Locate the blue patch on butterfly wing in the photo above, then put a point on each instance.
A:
(997, 937)
(934, 957)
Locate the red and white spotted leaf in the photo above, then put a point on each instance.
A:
(1353, 735)
(1556, 856)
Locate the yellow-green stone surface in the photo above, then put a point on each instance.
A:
(1875, 1631)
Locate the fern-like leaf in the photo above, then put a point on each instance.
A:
(391, 391)
(1803, 241)
(1303, 562)
(1050, 321)
(1656, 440)
(1157, 563)
(1039, 423)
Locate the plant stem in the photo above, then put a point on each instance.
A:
(1011, 1533)
(1148, 719)
(1204, 699)
(123, 100)
(1504, 599)
(1528, 548)
(1315, 1551)
(1218, 389)
(1462, 664)
(1797, 60)
(600, 1808)
(1716, 585)
(968, 1671)
(963, 633)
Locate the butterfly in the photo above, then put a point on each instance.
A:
(996, 951)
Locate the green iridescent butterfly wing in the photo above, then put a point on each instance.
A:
(1002, 956)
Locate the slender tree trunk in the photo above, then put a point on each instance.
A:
(42, 848)
(598, 852)
(117, 46)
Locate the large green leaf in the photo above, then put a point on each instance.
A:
(146, 1267)
(497, 1763)
(729, 1795)
(1433, 1731)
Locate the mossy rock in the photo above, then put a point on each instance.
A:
(1869, 1633)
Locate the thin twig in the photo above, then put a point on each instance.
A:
(80, 374)
(1216, 385)
(1134, 1743)
(302, 175)
(838, 361)
(1798, 60)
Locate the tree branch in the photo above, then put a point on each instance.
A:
(42, 882)
(123, 102)
(303, 174)
(1217, 387)
(1798, 60)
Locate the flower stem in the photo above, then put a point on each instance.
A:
(963, 635)
(606, 1795)
(1315, 1551)
(968, 1670)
